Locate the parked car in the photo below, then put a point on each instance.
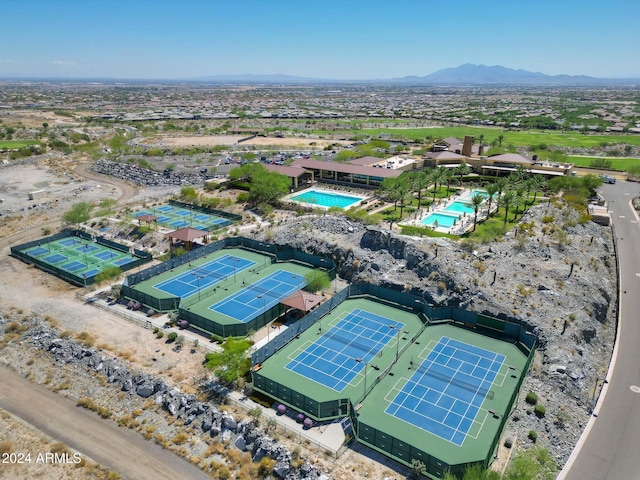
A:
(608, 179)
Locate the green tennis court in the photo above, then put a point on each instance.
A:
(81, 256)
(439, 393)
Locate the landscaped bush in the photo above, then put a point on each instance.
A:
(540, 411)
(533, 435)
(172, 337)
(531, 398)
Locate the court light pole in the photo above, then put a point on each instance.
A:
(264, 314)
(297, 277)
(397, 329)
(198, 277)
(359, 360)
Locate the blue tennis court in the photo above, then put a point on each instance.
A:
(446, 391)
(91, 273)
(87, 248)
(203, 276)
(67, 242)
(258, 297)
(55, 258)
(179, 224)
(165, 208)
(182, 213)
(342, 352)
(105, 255)
(123, 261)
(38, 251)
(73, 266)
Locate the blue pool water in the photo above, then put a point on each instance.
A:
(482, 193)
(459, 207)
(325, 199)
(445, 220)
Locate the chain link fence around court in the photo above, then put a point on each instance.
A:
(21, 252)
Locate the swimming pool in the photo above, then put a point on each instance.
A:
(445, 220)
(482, 193)
(326, 199)
(459, 207)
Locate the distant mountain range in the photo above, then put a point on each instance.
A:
(467, 74)
(470, 74)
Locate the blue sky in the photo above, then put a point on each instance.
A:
(348, 39)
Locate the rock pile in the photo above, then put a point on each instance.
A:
(144, 177)
(212, 421)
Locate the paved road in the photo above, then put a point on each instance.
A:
(116, 448)
(610, 449)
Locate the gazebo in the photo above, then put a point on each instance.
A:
(303, 301)
(187, 235)
(148, 218)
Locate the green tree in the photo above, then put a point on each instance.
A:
(188, 194)
(268, 187)
(500, 139)
(317, 280)
(476, 201)
(591, 182)
(506, 201)
(79, 213)
(417, 467)
(501, 183)
(232, 363)
(462, 170)
(437, 177)
(492, 190)
(533, 464)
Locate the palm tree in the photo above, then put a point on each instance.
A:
(519, 200)
(403, 189)
(476, 201)
(447, 176)
(506, 201)
(436, 177)
(420, 180)
(501, 183)
(500, 139)
(539, 182)
(491, 189)
(462, 170)
(481, 138)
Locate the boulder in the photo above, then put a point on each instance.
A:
(145, 390)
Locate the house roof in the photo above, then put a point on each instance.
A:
(347, 168)
(512, 158)
(452, 141)
(147, 218)
(289, 171)
(303, 301)
(187, 234)
(365, 161)
(446, 156)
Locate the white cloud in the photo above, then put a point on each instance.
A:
(7, 60)
(62, 62)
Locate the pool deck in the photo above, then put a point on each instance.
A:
(463, 225)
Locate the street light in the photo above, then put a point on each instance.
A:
(234, 260)
(297, 277)
(359, 360)
(198, 277)
(397, 329)
(264, 313)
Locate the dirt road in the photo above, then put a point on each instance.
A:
(128, 192)
(116, 448)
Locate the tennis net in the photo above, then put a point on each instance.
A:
(470, 387)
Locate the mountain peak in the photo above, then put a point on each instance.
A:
(472, 74)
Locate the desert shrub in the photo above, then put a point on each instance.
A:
(540, 411)
(533, 435)
(531, 398)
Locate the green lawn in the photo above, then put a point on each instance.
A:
(17, 143)
(621, 164)
(518, 138)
